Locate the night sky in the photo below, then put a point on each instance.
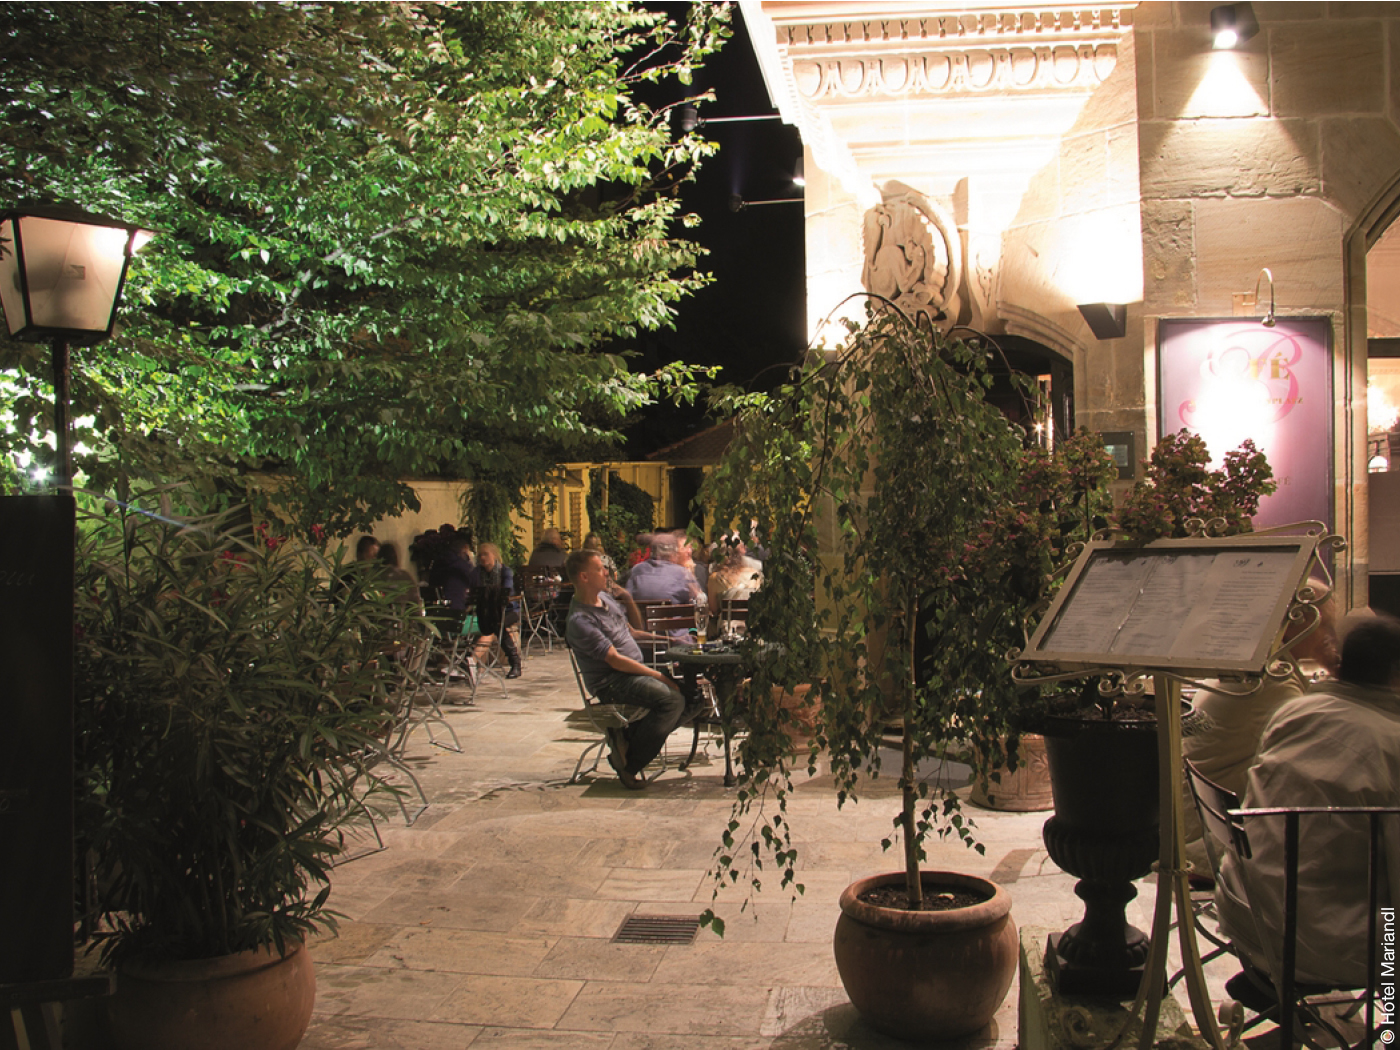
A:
(754, 314)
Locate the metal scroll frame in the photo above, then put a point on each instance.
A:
(1041, 663)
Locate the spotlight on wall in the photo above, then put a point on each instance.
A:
(1232, 24)
(1106, 320)
(799, 173)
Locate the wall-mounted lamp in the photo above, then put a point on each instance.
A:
(61, 276)
(1269, 320)
(799, 173)
(688, 118)
(737, 203)
(1106, 320)
(1232, 24)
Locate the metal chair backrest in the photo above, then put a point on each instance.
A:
(1214, 804)
(1222, 817)
(645, 605)
(539, 584)
(665, 619)
(734, 609)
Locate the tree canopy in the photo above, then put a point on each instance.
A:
(394, 239)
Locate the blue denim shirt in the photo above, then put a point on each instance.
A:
(592, 630)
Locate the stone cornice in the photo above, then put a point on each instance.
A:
(1004, 50)
(1066, 67)
(822, 58)
(1023, 26)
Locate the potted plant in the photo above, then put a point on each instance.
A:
(228, 687)
(1062, 498)
(1110, 838)
(867, 475)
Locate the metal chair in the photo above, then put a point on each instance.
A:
(539, 591)
(416, 703)
(733, 614)
(607, 719)
(1273, 992)
(664, 618)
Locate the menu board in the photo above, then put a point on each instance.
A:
(1201, 604)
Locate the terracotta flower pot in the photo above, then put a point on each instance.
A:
(1027, 790)
(926, 974)
(254, 1000)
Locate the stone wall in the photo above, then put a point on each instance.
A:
(1278, 154)
(1182, 173)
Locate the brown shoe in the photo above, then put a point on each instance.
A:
(630, 781)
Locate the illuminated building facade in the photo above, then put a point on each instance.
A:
(1027, 170)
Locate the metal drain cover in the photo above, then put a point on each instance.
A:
(657, 929)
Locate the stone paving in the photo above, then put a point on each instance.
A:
(488, 923)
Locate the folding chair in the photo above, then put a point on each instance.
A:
(664, 618)
(607, 719)
(387, 749)
(415, 702)
(455, 655)
(1273, 992)
(539, 589)
(733, 615)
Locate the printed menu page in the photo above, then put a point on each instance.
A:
(1197, 606)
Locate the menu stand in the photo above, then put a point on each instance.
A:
(1178, 611)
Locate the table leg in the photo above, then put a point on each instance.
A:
(726, 686)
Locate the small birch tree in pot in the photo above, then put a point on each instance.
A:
(866, 477)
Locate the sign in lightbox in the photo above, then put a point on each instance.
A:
(1232, 379)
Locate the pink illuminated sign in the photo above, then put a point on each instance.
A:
(1229, 380)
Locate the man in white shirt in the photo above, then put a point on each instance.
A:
(1337, 745)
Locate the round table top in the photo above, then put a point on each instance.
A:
(694, 654)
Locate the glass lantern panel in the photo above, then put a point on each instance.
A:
(10, 297)
(74, 270)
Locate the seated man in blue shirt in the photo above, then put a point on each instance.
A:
(605, 645)
(661, 578)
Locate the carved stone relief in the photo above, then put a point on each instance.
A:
(913, 254)
(967, 26)
(1065, 67)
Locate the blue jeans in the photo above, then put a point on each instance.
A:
(664, 704)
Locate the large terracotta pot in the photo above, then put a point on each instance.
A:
(926, 974)
(1027, 790)
(255, 1000)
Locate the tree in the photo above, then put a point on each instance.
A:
(393, 237)
(868, 478)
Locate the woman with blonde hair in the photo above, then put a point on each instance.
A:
(495, 611)
(732, 576)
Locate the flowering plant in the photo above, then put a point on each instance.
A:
(1180, 488)
(1061, 498)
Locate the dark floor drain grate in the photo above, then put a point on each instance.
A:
(657, 929)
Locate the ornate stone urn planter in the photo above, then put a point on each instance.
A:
(1105, 832)
(927, 974)
(254, 1000)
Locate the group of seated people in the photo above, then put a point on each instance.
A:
(674, 571)
(1334, 742)
(606, 632)
(484, 587)
(604, 624)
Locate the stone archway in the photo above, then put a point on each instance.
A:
(1373, 340)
